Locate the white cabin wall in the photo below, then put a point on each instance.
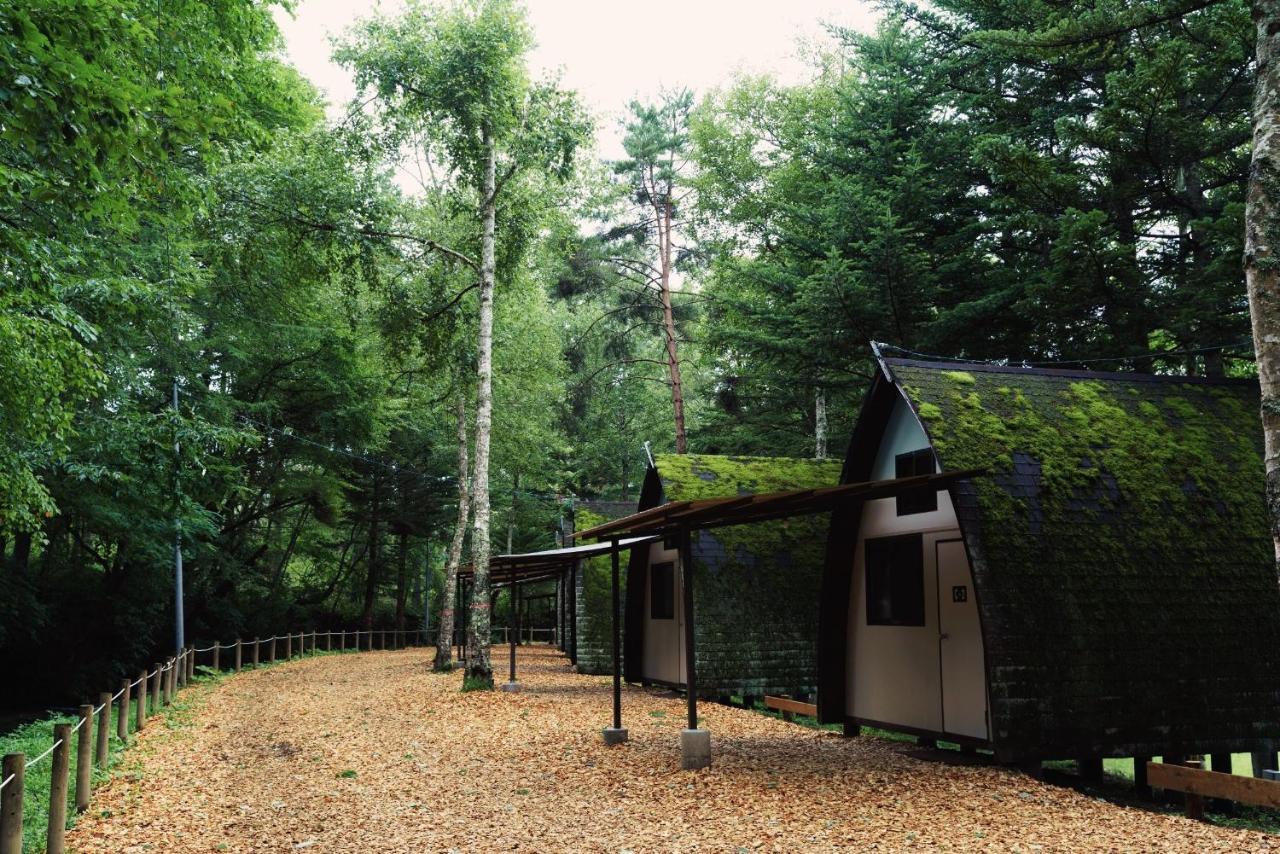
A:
(663, 654)
(894, 672)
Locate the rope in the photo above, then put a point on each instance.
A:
(101, 706)
(79, 724)
(52, 748)
(6, 780)
(204, 649)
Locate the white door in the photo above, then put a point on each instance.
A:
(964, 682)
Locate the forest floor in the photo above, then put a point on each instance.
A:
(373, 752)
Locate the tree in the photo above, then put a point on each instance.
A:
(444, 639)
(457, 76)
(1261, 263)
(657, 142)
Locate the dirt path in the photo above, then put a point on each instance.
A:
(372, 752)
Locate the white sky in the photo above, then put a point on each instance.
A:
(612, 52)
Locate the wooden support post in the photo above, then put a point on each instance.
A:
(15, 767)
(84, 758)
(616, 620)
(513, 628)
(155, 687)
(257, 645)
(239, 654)
(690, 650)
(1090, 768)
(102, 744)
(140, 713)
(1140, 785)
(55, 841)
(122, 719)
(1194, 802)
(217, 656)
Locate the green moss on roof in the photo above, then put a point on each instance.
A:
(693, 476)
(1121, 550)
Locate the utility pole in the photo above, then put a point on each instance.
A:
(179, 629)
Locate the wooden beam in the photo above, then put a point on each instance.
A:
(1214, 784)
(786, 704)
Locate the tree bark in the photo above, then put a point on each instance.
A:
(444, 638)
(371, 579)
(662, 212)
(479, 667)
(820, 424)
(402, 581)
(1262, 233)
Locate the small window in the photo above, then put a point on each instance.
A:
(662, 591)
(895, 581)
(911, 464)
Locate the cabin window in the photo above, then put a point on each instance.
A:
(911, 464)
(662, 591)
(895, 581)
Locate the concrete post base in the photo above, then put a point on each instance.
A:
(695, 749)
(510, 687)
(614, 735)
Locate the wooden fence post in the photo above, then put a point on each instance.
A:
(84, 758)
(217, 656)
(272, 650)
(140, 713)
(103, 743)
(257, 645)
(15, 766)
(239, 653)
(166, 685)
(55, 842)
(382, 639)
(179, 671)
(155, 688)
(122, 719)
(288, 646)
(191, 664)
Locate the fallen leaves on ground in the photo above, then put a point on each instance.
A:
(374, 752)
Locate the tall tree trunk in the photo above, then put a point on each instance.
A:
(479, 669)
(371, 580)
(444, 637)
(402, 580)
(1261, 237)
(820, 424)
(662, 212)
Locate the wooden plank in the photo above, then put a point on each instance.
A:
(786, 704)
(1214, 784)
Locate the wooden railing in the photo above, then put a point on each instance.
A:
(93, 730)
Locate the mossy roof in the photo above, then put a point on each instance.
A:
(1121, 552)
(687, 477)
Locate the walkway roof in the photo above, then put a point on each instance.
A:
(539, 566)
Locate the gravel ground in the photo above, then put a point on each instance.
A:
(373, 752)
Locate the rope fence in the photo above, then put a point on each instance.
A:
(157, 689)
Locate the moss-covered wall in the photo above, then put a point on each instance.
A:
(593, 596)
(1121, 555)
(755, 586)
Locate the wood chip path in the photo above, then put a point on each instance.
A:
(373, 752)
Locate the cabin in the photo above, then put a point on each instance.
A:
(755, 586)
(589, 634)
(1106, 587)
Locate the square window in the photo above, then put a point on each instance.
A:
(662, 591)
(911, 464)
(895, 581)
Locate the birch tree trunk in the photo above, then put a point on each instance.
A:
(820, 424)
(1262, 233)
(444, 639)
(479, 669)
